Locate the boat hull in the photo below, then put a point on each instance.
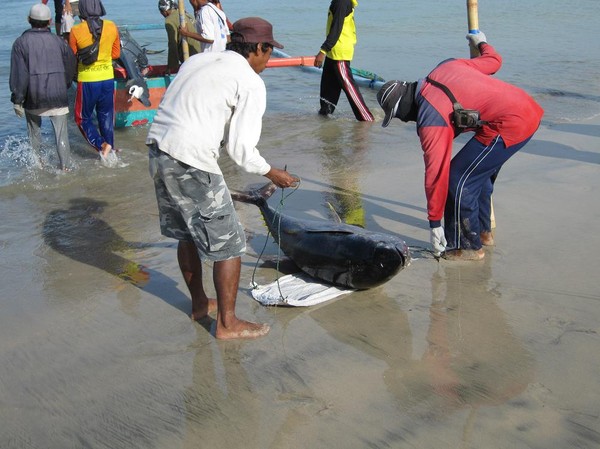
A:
(131, 112)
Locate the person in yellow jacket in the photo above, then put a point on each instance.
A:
(335, 56)
(95, 82)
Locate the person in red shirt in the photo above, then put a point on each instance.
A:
(459, 188)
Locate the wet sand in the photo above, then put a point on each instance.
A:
(97, 350)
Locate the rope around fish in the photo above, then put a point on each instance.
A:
(277, 210)
(425, 253)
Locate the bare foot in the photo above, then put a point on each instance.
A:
(242, 330)
(106, 147)
(487, 238)
(464, 254)
(197, 315)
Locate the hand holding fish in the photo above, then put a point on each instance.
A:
(281, 178)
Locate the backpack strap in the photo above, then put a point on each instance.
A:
(455, 103)
(459, 111)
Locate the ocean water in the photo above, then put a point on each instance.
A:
(547, 46)
(96, 346)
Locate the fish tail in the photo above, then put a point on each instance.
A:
(257, 196)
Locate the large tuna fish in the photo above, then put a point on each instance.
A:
(336, 253)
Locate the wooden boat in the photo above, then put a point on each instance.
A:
(131, 112)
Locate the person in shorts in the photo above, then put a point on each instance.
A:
(216, 102)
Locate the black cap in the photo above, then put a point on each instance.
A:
(389, 97)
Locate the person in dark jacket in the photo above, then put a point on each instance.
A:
(42, 67)
(503, 118)
(335, 56)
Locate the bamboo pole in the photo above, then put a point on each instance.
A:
(184, 43)
(473, 22)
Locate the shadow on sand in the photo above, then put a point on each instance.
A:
(80, 234)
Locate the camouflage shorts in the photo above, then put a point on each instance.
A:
(195, 205)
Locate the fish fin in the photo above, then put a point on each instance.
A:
(333, 212)
(254, 196)
(267, 190)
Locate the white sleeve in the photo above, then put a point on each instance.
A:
(245, 129)
(208, 23)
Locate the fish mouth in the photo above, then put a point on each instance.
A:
(387, 260)
(404, 255)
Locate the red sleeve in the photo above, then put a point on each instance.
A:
(489, 62)
(436, 142)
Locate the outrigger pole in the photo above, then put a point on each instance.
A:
(184, 43)
(473, 21)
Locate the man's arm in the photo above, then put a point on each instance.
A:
(339, 9)
(436, 142)
(116, 46)
(195, 36)
(207, 23)
(489, 62)
(19, 75)
(70, 62)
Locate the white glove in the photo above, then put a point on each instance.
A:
(476, 39)
(136, 91)
(19, 110)
(438, 241)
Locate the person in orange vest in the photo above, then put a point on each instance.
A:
(95, 77)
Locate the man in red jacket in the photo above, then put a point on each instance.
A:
(503, 117)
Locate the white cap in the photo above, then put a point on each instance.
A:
(39, 11)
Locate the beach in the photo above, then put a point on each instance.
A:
(97, 349)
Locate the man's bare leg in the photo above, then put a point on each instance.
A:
(226, 276)
(191, 269)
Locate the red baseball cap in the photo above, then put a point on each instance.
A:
(254, 30)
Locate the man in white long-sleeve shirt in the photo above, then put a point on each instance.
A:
(215, 102)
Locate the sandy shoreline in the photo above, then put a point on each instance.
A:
(95, 352)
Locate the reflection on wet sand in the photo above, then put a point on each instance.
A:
(343, 161)
(471, 357)
(219, 403)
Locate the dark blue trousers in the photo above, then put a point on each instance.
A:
(98, 97)
(473, 171)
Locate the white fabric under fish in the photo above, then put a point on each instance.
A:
(297, 290)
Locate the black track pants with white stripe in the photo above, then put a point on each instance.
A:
(336, 77)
